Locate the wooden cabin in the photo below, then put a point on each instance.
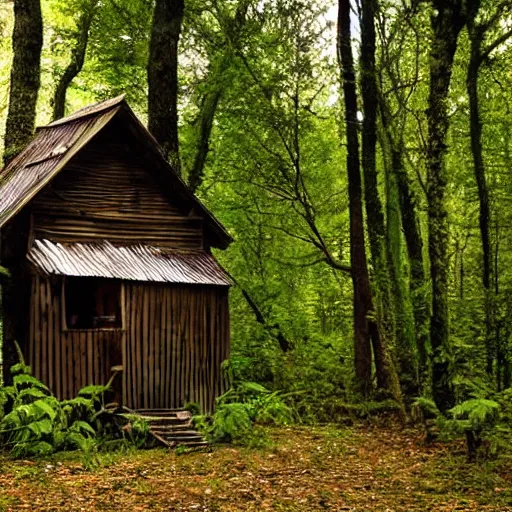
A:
(111, 265)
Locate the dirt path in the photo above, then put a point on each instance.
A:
(304, 470)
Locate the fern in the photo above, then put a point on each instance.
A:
(26, 379)
(478, 412)
(231, 422)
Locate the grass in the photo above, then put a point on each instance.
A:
(300, 469)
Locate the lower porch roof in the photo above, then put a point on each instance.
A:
(137, 262)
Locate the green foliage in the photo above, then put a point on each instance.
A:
(33, 422)
(39, 424)
(485, 421)
(241, 409)
(476, 414)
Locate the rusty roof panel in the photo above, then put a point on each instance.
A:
(42, 159)
(132, 262)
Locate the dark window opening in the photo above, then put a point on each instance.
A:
(92, 303)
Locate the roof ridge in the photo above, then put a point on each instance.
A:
(86, 111)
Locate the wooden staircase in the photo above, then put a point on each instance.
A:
(172, 427)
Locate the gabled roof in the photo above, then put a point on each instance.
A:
(56, 144)
(138, 262)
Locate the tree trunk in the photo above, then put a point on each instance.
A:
(77, 60)
(412, 233)
(206, 117)
(418, 280)
(475, 37)
(27, 41)
(163, 77)
(364, 327)
(406, 356)
(369, 95)
(447, 22)
(387, 378)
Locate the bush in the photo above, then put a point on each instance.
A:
(242, 408)
(484, 418)
(39, 424)
(34, 422)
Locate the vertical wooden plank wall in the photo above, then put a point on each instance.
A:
(177, 340)
(174, 341)
(66, 360)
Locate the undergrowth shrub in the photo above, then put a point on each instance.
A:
(33, 422)
(241, 410)
(483, 417)
(315, 375)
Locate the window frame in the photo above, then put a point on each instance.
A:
(66, 328)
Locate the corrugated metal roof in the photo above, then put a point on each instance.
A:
(134, 262)
(54, 145)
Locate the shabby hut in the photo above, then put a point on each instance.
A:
(111, 265)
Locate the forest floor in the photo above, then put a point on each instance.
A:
(301, 469)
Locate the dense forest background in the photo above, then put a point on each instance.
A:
(358, 153)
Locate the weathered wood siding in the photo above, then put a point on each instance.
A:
(67, 360)
(174, 340)
(106, 192)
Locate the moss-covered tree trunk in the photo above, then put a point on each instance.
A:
(27, 41)
(406, 353)
(163, 77)
(447, 21)
(387, 378)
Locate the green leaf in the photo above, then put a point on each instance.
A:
(83, 426)
(46, 408)
(41, 427)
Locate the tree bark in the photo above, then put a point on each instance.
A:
(477, 32)
(77, 60)
(364, 326)
(407, 204)
(163, 77)
(406, 353)
(447, 23)
(27, 41)
(206, 117)
(369, 95)
(387, 378)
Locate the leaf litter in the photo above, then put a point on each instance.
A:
(301, 469)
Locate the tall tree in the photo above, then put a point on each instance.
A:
(394, 99)
(232, 27)
(447, 21)
(27, 41)
(479, 52)
(77, 57)
(384, 365)
(365, 327)
(163, 77)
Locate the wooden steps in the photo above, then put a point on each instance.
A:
(172, 427)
